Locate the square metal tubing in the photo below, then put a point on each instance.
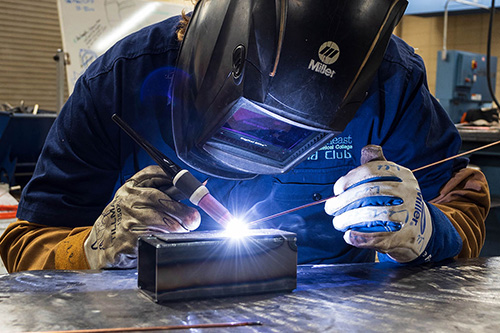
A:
(211, 264)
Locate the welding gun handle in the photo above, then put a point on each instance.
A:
(199, 195)
(175, 194)
(185, 185)
(191, 187)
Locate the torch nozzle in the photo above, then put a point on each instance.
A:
(215, 210)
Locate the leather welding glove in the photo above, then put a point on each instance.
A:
(379, 206)
(139, 207)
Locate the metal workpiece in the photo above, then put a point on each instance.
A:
(461, 295)
(212, 263)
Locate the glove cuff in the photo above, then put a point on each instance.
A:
(70, 253)
(445, 241)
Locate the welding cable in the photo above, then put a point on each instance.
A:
(166, 164)
(8, 211)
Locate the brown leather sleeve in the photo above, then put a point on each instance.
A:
(465, 200)
(31, 246)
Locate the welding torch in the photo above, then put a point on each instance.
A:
(183, 181)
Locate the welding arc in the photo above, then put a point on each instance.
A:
(270, 217)
(160, 328)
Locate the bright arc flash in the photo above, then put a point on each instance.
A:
(237, 228)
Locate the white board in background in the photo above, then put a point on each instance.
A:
(90, 27)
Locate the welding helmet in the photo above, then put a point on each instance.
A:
(261, 84)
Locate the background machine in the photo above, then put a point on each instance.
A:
(461, 82)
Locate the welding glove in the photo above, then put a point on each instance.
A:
(379, 206)
(140, 206)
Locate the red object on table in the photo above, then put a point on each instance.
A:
(8, 211)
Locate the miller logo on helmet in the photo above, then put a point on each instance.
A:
(328, 53)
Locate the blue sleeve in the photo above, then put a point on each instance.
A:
(86, 156)
(77, 168)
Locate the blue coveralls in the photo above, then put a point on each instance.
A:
(87, 157)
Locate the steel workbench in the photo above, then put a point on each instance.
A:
(462, 295)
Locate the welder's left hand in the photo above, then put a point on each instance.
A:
(140, 206)
(379, 206)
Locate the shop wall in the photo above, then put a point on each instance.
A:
(466, 32)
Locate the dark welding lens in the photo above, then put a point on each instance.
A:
(259, 133)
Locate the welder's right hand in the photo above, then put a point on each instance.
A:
(139, 207)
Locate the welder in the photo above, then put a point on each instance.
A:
(270, 103)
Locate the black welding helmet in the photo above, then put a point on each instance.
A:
(261, 84)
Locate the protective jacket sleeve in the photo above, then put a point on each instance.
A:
(465, 200)
(31, 246)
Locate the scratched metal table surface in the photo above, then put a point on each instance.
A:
(458, 296)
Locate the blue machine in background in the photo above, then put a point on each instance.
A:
(461, 82)
(22, 136)
(462, 85)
